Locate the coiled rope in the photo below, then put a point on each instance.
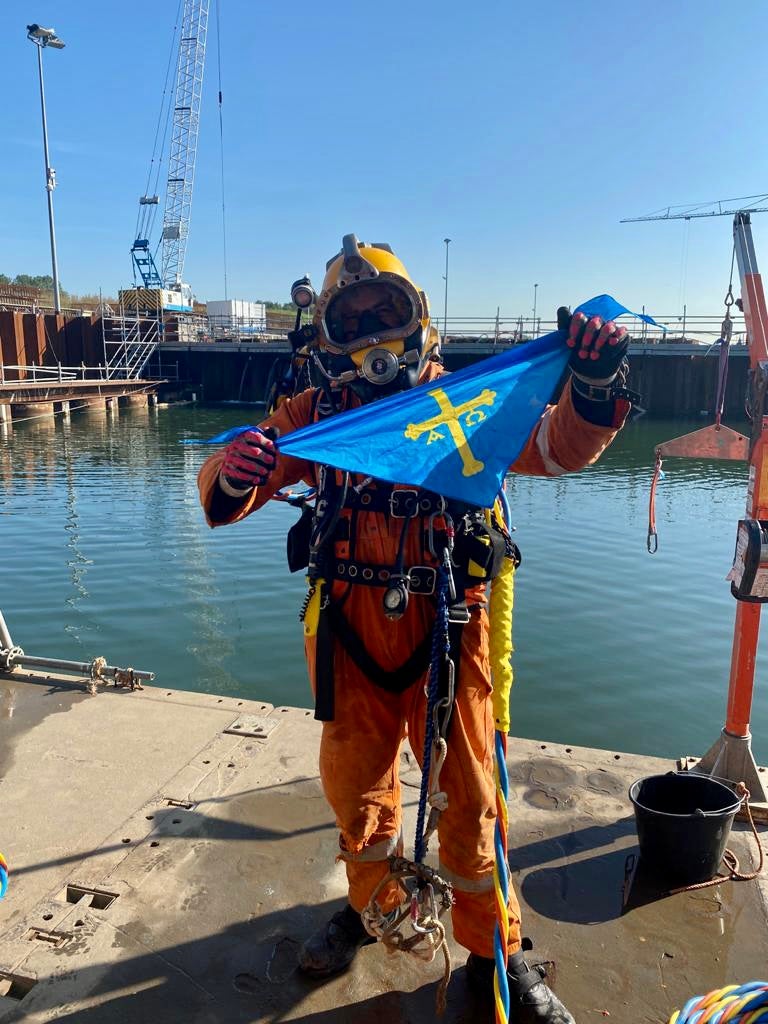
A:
(730, 860)
(737, 1004)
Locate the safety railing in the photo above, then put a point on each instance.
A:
(675, 329)
(129, 342)
(31, 373)
(494, 330)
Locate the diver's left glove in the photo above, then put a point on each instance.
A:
(248, 461)
(599, 347)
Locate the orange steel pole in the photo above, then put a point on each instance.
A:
(731, 755)
(741, 685)
(747, 626)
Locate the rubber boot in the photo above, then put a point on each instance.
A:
(333, 947)
(530, 1000)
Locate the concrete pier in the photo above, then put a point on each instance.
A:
(93, 406)
(135, 401)
(32, 410)
(64, 409)
(5, 415)
(170, 850)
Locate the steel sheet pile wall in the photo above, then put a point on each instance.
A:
(671, 385)
(46, 340)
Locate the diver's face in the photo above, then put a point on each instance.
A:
(364, 309)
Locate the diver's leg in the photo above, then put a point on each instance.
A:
(359, 752)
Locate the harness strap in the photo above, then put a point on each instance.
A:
(325, 702)
(333, 624)
(421, 578)
(399, 502)
(396, 681)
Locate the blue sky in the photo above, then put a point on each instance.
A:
(523, 132)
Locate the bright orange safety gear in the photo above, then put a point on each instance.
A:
(359, 750)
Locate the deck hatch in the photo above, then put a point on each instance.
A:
(52, 938)
(97, 899)
(15, 986)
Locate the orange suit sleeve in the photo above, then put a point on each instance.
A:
(562, 441)
(292, 414)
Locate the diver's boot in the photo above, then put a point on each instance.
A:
(333, 947)
(530, 1000)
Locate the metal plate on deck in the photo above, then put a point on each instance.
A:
(259, 726)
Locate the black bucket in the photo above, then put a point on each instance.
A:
(683, 823)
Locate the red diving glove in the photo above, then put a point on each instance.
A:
(248, 461)
(598, 347)
(598, 358)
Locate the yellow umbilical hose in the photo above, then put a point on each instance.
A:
(501, 648)
(500, 652)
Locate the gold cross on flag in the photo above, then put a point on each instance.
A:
(449, 416)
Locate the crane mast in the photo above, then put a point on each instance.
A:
(183, 150)
(185, 125)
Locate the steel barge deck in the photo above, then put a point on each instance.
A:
(163, 843)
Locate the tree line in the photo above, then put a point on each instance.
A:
(44, 282)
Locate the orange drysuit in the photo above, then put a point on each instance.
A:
(359, 750)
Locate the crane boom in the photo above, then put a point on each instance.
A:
(719, 208)
(183, 149)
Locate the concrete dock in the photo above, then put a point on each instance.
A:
(169, 850)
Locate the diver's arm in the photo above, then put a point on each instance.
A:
(564, 441)
(592, 407)
(221, 508)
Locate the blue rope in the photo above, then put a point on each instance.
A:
(440, 650)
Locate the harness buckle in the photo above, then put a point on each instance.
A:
(422, 579)
(404, 503)
(458, 613)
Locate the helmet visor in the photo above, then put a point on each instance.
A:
(360, 311)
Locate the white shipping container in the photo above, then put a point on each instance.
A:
(236, 309)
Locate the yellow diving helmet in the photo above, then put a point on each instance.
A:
(371, 323)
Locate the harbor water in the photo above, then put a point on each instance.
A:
(105, 552)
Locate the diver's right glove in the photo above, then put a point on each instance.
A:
(248, 462)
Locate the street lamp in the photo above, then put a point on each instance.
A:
(535, 296)
(445, 307)
(43, 37)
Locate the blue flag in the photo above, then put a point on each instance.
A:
(457, 435)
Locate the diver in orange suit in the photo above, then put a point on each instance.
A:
(371, 336)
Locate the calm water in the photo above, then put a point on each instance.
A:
(104, 551)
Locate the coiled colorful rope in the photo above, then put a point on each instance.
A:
(501, 881)
(3, 876)
(734, 1004)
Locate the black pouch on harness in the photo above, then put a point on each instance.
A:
(297, 541)
(479, 549)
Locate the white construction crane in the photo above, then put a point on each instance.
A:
(183, 115)
(719, 208)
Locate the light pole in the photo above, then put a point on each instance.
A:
(535, 296)
(445, 307)
(43, 37)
